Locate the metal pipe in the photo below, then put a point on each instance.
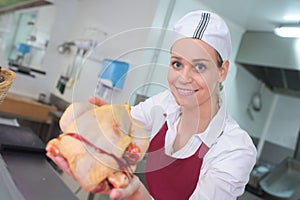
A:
(159, 44)
(266, 127)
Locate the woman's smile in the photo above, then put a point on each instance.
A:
(185, 92)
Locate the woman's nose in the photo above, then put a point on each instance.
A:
(186, 75)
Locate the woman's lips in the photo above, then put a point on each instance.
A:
(185, 92)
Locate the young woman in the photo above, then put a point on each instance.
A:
(197, 151)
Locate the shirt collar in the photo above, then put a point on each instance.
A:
(214, 129)
(172, 111)
(216, 126)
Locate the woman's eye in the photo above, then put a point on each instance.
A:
(200, 67)
(176, 64)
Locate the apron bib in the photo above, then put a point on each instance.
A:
(168, 177)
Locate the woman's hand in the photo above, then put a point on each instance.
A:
(96, 101)
(61, 163)
(134, 191)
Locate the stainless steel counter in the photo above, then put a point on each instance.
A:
(8, 189)
(24, 157)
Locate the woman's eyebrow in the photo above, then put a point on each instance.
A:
(201, 60)
(177, 57)
(192, 61)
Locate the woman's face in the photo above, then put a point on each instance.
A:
(193, 74)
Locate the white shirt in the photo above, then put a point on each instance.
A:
(226, 167)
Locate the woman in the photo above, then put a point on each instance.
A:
(198, 151)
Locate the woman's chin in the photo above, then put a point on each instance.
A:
(186, 101)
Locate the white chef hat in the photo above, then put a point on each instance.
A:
(208, 27)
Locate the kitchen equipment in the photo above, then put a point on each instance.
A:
(7, 77)
(112, 76)
(20, 138)
(261, 54)
(61, 84)
(256, 101)
(25, 168)
(84, 45)
(22, 50)
(256, 175)
(16, 67)
(283, 183)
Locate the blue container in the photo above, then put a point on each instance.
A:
(115, 71)
(23, 48)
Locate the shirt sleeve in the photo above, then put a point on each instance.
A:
(228, 172)
(149, 111)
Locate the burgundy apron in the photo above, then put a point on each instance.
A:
(168, 177)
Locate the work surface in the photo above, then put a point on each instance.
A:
(25, 107)
(25, 169)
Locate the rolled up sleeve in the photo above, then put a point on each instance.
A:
(226, 173)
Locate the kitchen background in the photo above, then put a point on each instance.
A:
(138, 32)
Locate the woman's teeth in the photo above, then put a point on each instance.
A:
(185, 92)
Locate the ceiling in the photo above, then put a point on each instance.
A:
(12, 5)
(262, 16)
(10, 2)
(257, 15)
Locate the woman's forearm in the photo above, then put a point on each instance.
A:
(134, 191)
(140, 193)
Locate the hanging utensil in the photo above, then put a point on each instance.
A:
(61, 84)
(256, 100)
(72, 71)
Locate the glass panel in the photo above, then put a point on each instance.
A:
(24, 35)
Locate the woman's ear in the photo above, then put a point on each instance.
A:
(223, 71)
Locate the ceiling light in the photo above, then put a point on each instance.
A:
(291, 18)
(288, 31)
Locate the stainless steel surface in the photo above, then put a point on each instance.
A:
(271, 59)
(19, 137)
(257, 174)
(24, 156)
(284, 181)
(34, 176)
(267, 49)
(8, 189)
(58, 102)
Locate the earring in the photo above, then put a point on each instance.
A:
(220, 86)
